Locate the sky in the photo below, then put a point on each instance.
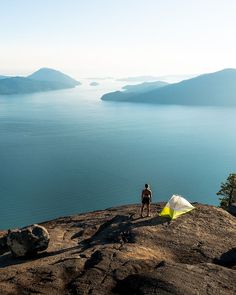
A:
(118, 38)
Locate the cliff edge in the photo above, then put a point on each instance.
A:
(114, 251)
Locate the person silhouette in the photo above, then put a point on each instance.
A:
(146, 198)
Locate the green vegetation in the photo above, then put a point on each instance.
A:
(228, 191)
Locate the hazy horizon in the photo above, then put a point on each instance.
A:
(126, 78)
(118, 39)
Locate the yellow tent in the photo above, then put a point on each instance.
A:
(176, 206)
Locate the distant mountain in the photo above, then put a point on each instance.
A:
(101, 78)
(139, 79)
(166, 78)
(145, 86)
(131, 91)
(217, 88)
(94, 83)
(42, 80)
(51, 75)
(176, 78)
(18, 85)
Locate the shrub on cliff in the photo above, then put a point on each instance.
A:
(228, 191)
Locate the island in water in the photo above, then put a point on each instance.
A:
(44, 79)
(94, 83)
(144, 87)
(217, 88)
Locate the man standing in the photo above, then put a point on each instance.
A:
(146, 199)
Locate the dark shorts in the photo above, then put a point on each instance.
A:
(146, 200)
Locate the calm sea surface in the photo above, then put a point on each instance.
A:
(66, 152)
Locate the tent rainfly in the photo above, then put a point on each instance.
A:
(176, 206)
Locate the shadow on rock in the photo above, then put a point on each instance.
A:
(93, 260)
(115, 230)
(154, 221)
(7, 259)
(227, 259)
(144, 285)
(119, 230)
(180, 279)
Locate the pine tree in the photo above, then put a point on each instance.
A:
(228, 191)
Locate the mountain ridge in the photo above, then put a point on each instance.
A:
(218, 88)
(145, 86)
(51, 75)
(45, 79)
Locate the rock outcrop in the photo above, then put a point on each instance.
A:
(177, 278)
(116, 252)
(27, 241)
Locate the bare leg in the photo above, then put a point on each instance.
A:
(142, 210)
(148, 208)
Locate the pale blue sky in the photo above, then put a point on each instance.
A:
(117, 38)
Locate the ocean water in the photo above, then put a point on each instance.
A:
(66, 152)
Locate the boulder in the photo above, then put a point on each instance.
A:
(28, 240)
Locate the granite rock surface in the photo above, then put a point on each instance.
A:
(114, 251)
